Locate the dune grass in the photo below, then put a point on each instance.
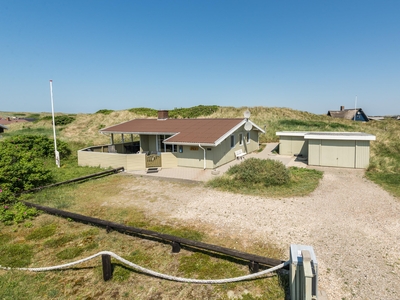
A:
(52, 241)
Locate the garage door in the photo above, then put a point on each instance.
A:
(338, 153)
(291, 145)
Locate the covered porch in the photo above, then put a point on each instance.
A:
(147, 152)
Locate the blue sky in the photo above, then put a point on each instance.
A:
(307, 55)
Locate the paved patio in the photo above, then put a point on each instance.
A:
(194, 174)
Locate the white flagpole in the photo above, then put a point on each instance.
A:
(355, 108)
(57, 154)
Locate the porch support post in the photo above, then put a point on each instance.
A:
(112, 139)
(131, 137)
(157, 143)
(122, 138)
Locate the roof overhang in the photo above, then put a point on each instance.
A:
(342, 136)
(144, 133)
(190, 144)
(291, 133)
(222, 138)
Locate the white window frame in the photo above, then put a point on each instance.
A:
(248, 137)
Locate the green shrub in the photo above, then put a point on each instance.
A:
(104, 111)
(193, 112)
(17, 213)
(265, 171)
(143, 111)
(59, 120)
(63, 120)
(20, 170)
(46, 118)
(40, 145)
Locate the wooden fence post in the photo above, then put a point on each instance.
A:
(107, 267)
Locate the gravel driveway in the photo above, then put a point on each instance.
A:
(352, 224)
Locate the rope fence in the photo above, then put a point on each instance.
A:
(150, 272)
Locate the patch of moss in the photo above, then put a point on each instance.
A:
(70, 253)
(42, 232)
(15, 255)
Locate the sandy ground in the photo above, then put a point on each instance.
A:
(352, 224)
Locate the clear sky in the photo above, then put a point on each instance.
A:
(307, 55)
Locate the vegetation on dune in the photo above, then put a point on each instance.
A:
(177, 113)
(26, 162)
(193, 112)
(143, 111)
(61, 120)
(104, 111)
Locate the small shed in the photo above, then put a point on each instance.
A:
(330, 149)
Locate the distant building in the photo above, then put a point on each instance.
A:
(11, 120)
(355, 114)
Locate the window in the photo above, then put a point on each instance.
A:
(170, 148)
(240, 139)
(180, 148)
(232, 141)
(248, 137)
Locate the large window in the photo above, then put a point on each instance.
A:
(232, 141)
(164, 147)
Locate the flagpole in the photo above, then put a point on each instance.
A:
(355, 108)
(56, 153)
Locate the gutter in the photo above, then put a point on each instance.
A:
(204, 150)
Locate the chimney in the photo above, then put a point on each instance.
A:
(342, 108)
(162, 114)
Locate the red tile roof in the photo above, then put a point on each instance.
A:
(183, 131)
(7, 121)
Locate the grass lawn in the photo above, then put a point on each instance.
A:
(49, 240)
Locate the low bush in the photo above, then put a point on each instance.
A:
(61, 120)
(143, 111)
(17, 213)
(40, 145)
(252, 180)
(104, 111)
(266, 171)
(193, 112)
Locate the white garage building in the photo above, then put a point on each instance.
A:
(330, 149)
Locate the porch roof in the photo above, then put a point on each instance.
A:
(209, 132)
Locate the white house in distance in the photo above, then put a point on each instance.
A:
(166, 143)
(331, 149)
